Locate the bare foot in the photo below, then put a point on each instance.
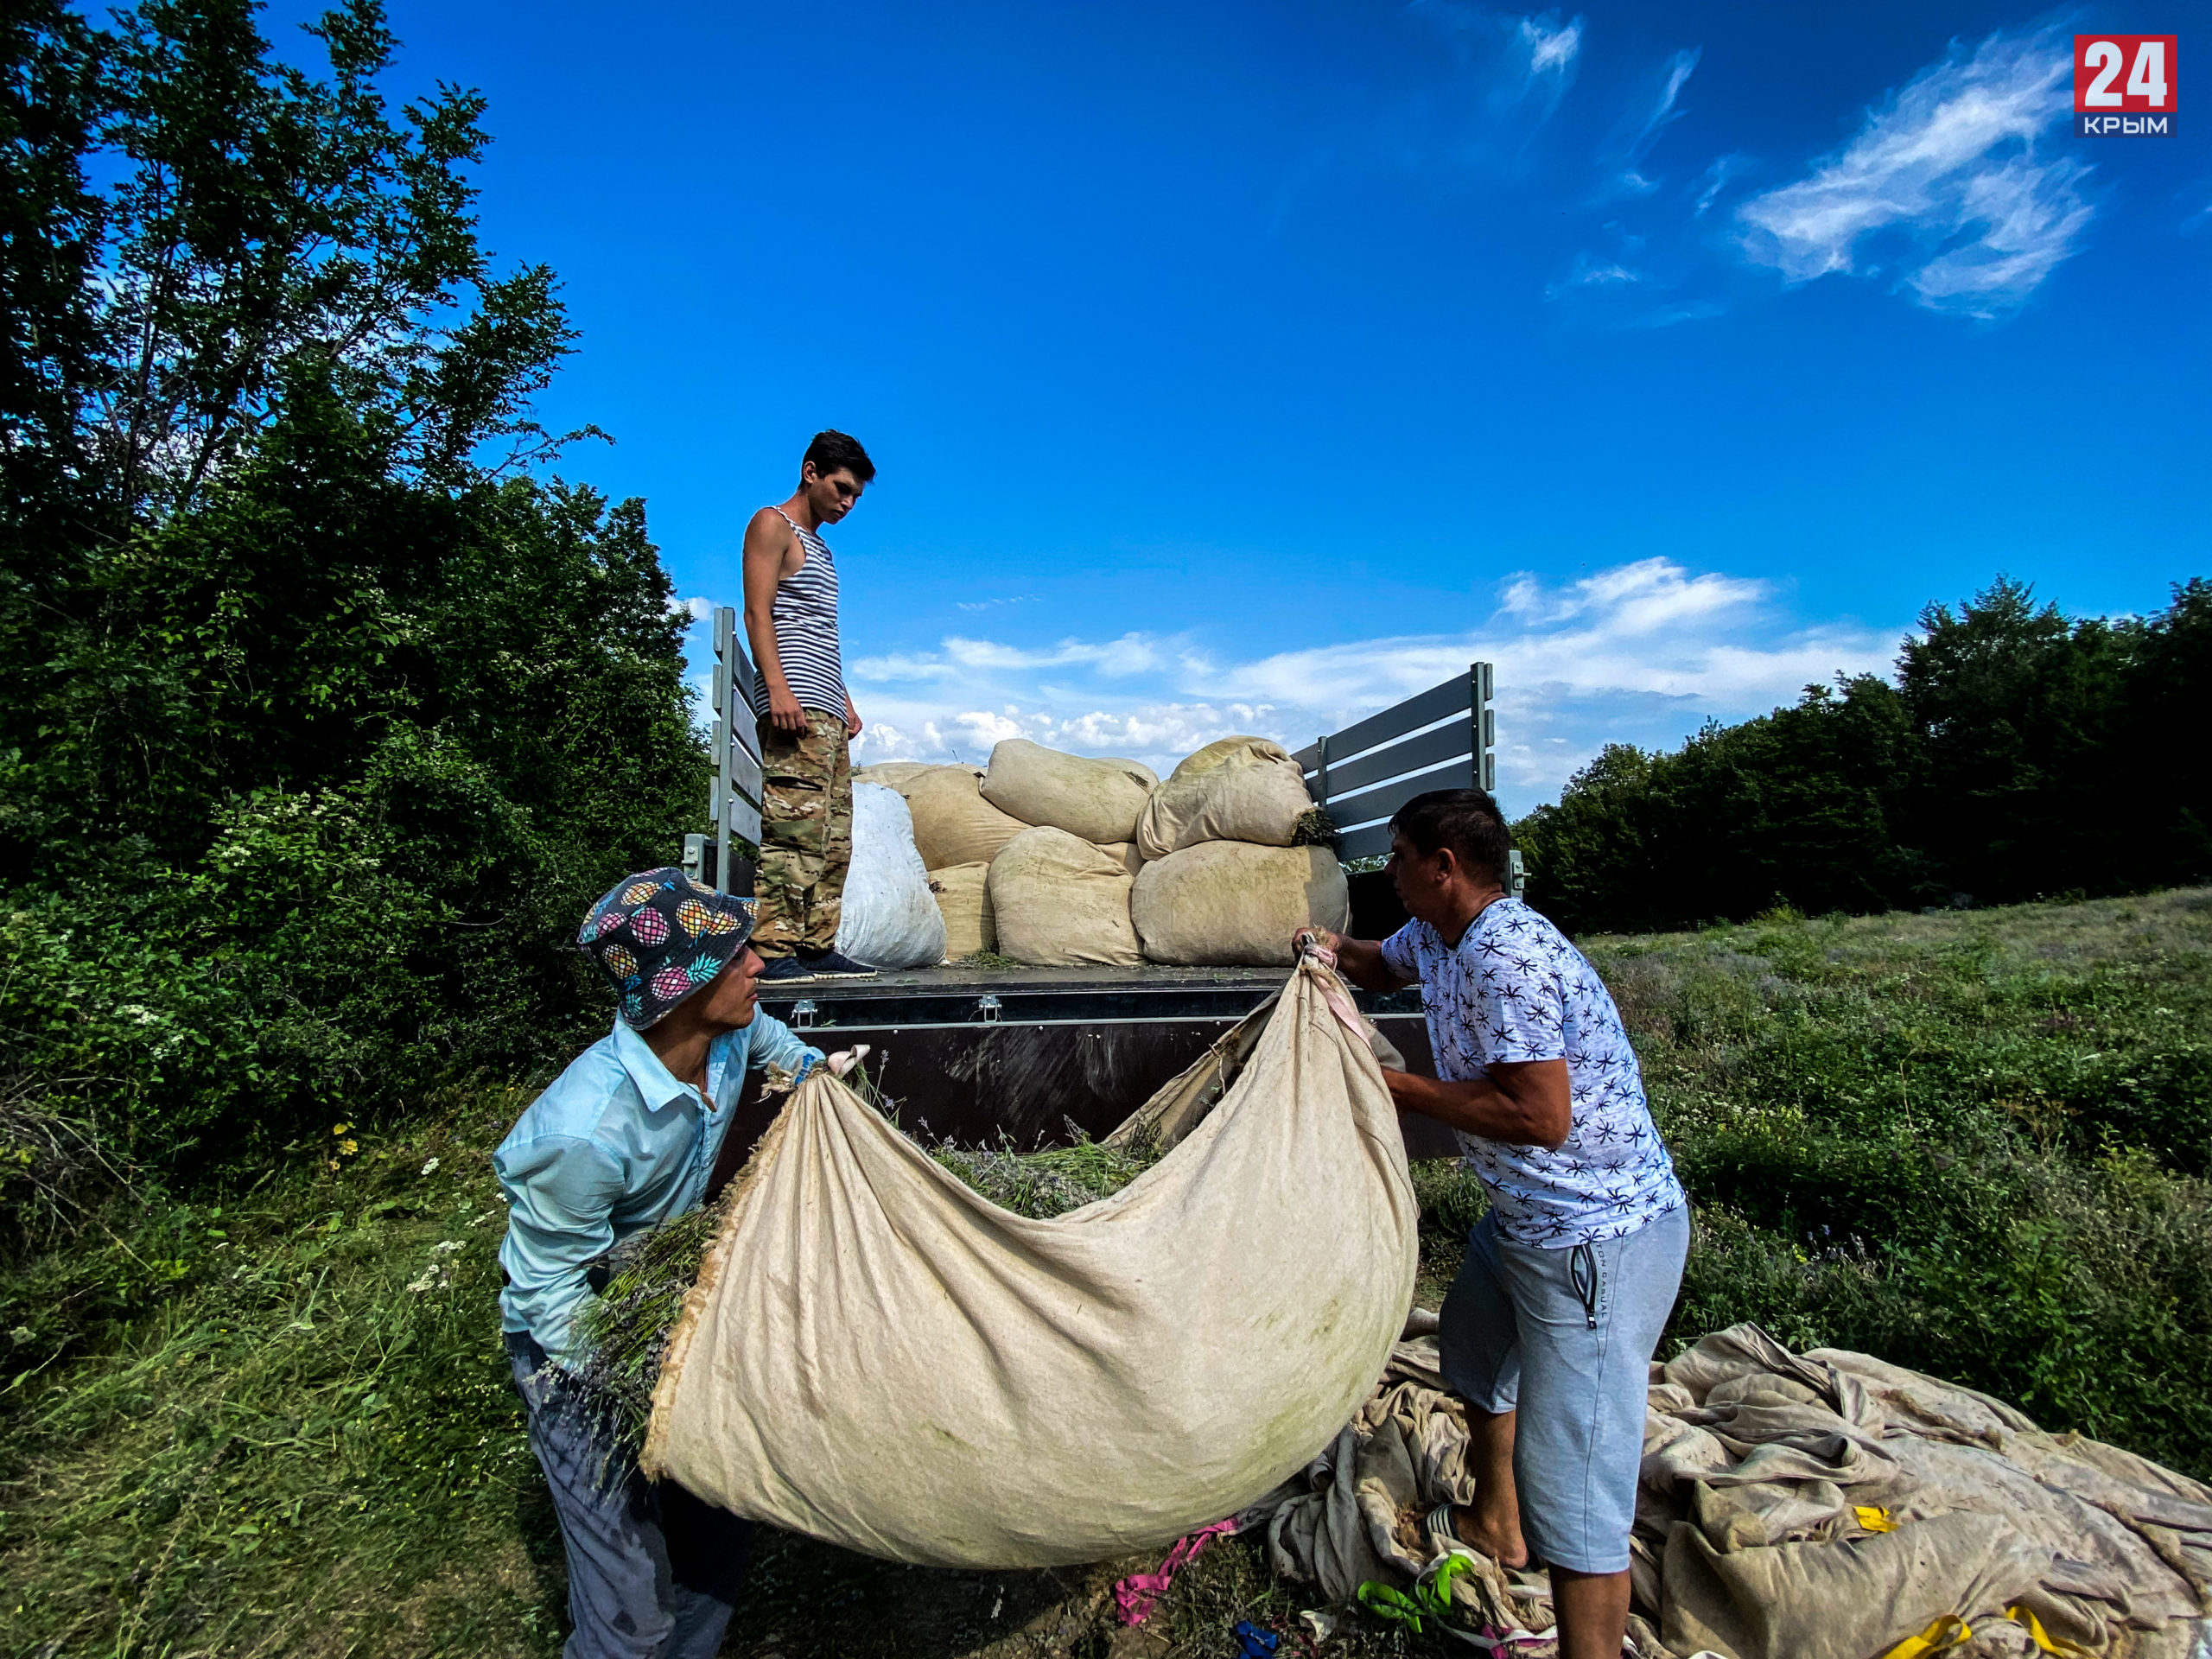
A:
(1502, 1543)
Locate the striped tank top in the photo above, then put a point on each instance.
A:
(805, 614)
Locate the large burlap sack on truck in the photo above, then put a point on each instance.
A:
(878, 1357)
(1058, 902)
(963, 899)
(953, 823)
(1227, 901)
(889, 917)
(1098, 800)
(893, 774)
(1238, 788)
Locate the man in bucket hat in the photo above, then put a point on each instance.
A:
(626, 1138)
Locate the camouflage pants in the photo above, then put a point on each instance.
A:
(806, 834)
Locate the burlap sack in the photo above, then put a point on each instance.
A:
(893, 774)
(953, 823)
(877, 1356)
(964, 897)
(1059, 902)
(1238, 788)
(1150, 777)
(1098, 800)
(1126, 854)
(1227, 901)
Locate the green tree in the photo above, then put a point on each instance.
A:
(325, 718)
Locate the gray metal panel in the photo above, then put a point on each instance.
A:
(1374, 841)
(1308, 758)
(744, 820)
(1407, 754)
(745, 773)
(1434, 704)
(1381, 802)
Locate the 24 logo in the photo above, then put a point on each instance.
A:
(2143, 104)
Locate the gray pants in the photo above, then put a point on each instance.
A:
(1565, 1339)
(653, 1572)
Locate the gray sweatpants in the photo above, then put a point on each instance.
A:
(1564, 1338)
(653, 1572)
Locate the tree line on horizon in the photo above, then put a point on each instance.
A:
(2015, 754)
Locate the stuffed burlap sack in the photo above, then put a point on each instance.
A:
(1227, 901)
(1125, 853)
(893, 774)
(1059, 902)
(1239, 789)
(877, 1356)
(963, 896)
(953, 823)
(1098, 800)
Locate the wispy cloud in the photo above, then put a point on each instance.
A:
(1641, 128)
(1715, 180)
(1529, 58)
(1590, 271)
(1955, 171)
(1641, 652)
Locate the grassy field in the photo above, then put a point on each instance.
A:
(273, 1418)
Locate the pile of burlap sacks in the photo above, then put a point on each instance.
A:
(1824, 1506)
(1061, 859)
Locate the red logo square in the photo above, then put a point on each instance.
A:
(2129, 73)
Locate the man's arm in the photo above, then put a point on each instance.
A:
(852, 717)
(1360, 961)
(561, 1197)
(767, 546)
(1522, 1103)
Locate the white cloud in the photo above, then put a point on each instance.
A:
(1955, 167)
(1632, 139)
(1716, 179)
(694, 610)
(1590, 272)
(1643, 652)
(1551, 46)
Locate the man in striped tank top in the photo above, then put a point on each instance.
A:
(807, 721)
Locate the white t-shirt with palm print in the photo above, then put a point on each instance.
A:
(1515, 988)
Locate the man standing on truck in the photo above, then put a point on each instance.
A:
(1548, 1331)
(807, 720)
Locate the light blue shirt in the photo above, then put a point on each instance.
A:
(616, 1144)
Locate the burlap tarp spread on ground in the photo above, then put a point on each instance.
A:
(877, 1356)
(1749, 1540)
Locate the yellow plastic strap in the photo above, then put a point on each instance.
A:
(1873, 1517)
(1948, 1631)
(2021, 1614)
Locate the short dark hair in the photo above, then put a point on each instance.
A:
(1465, 820)
(833, 449)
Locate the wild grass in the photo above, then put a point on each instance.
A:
(274, 1417)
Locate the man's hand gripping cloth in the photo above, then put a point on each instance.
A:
(876, 1356)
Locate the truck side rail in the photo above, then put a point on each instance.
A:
(1443, 737)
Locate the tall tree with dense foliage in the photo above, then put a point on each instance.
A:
(326, 718)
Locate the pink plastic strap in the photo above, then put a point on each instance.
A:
(1136, 1594)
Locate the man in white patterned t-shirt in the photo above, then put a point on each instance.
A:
(1550, 1329)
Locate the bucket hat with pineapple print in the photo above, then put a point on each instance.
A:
(658, 936)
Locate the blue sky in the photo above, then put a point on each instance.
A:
(1244, 367)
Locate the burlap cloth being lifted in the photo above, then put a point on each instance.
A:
(1749, 1540)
